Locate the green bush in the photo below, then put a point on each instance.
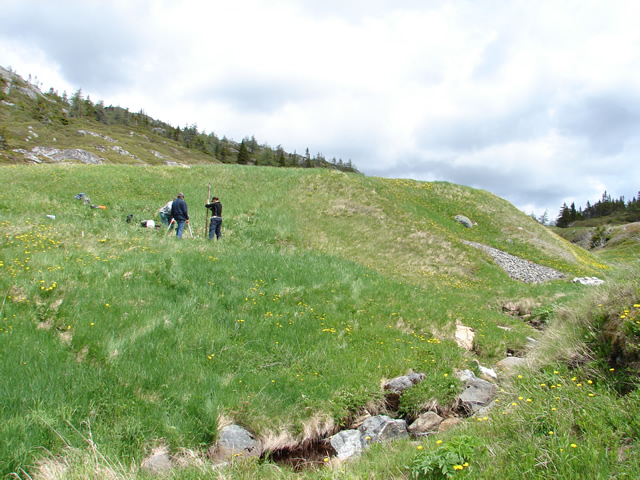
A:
(445, 461)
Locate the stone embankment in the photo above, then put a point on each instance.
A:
(517, 268)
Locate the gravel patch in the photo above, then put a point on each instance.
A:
(518, 269)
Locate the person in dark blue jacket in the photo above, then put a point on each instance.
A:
(179, 213)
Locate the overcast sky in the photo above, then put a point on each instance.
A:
(536, 101)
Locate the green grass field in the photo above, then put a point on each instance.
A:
(116, 339)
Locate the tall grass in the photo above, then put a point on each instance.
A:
(324, 285)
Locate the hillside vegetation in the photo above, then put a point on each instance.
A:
(125, 339)
(37, 127)
(117, 341)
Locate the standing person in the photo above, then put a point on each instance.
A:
(216, 218)
(179, 213)
(165, 213)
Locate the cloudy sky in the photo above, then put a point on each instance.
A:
(535, 101)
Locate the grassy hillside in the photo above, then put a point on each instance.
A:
(33, 123)
(31, 119)
(616, 243)
(124, 339)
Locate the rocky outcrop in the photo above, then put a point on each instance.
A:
(40, 154)
(93, 134)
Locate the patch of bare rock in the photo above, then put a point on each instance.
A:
(517, 268)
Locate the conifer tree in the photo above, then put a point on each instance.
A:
(243, 154)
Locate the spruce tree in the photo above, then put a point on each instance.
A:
(243, 154)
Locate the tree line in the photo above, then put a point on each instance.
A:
(626, 211)
(247, 152)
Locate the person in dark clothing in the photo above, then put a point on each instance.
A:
(179, 213)
(216, 218)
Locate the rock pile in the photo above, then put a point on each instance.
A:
(517, 268)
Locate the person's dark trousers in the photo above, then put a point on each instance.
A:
(214, 228)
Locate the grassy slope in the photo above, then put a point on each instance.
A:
(325, 284)
(23, 131)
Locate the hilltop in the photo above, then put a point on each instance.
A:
(37, 127)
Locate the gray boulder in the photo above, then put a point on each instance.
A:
(400, 384)
(235, 441)
(382, 428)
(463, 220)
(396, 386)
(477, 394)
(347, 443)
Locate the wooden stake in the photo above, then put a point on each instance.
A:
(206, 220)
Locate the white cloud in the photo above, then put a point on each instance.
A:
(535, 101)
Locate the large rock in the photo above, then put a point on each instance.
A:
(477, 394)
(57, 155)
(400, 384)
(382, 428)
(347, 443)
(235, 441)
(464, 336)
(426, 423)
(463, 220)
(396, 386)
